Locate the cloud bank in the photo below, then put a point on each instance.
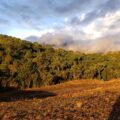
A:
(105, 44)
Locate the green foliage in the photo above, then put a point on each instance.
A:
(25, 64)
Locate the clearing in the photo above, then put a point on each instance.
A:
(74, 100)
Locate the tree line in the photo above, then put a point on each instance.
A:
(25, 65)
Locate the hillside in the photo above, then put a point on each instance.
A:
(78, 100)
(26, 65)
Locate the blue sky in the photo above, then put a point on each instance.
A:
(75, 23)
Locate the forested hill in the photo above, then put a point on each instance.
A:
(24, 64)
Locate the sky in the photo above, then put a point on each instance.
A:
(88, 25)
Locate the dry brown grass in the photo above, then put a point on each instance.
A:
(78, 100)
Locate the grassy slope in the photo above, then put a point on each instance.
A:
(78, 100)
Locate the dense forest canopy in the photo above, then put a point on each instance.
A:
(25, 65)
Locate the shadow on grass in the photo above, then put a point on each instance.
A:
(16, 95)
(6, 89)
(115, 114)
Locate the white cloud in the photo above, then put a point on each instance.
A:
(101, 26)
(98, 28)
(82, 16)
(66, 19)
(101, 35)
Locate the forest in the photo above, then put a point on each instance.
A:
(25, 64)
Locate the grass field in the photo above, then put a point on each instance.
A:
(74, 100)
